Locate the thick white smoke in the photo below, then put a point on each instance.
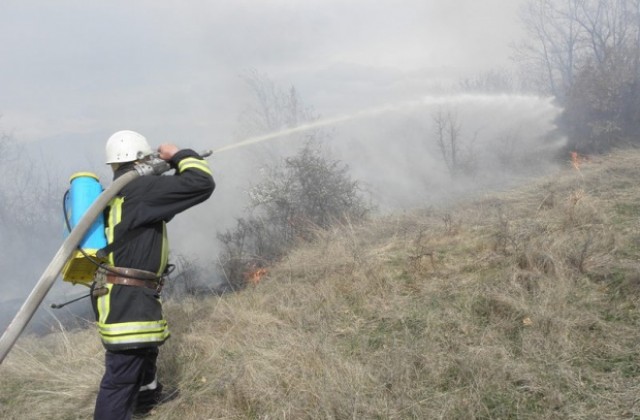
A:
(391, 150)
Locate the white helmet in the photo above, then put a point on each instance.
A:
(127, 146)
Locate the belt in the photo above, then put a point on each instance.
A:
(132, 273)
(126, 281)
(133, 277)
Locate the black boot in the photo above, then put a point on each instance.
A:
(149, 399)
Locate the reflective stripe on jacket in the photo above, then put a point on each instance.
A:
(131, 317)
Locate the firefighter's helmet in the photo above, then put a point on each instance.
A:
(127, 146)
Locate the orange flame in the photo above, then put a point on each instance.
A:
(255, 276)
(575, 160)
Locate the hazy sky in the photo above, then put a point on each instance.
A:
(83, 69)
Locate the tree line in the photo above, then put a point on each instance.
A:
(586, 53)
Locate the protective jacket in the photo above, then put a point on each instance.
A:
(131, 317)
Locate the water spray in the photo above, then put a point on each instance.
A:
(432, 100)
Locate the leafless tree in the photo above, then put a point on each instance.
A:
(587, 54)
(273, 108)
(562, 36)
(608, 26)
(553, 43)
(457, 153)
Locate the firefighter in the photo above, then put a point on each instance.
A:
(127, 289)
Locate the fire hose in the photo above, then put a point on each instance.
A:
(153, 166)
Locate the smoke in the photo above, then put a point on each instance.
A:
(391, 149)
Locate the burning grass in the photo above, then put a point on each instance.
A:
(517, 305)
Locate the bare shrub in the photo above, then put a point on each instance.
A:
(302, 194)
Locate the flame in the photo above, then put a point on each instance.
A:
(254, 276)
(577, 160)
(574, 160)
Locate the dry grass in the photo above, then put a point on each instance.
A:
(520, 305)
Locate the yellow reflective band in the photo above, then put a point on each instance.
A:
(134, 332)
(164, 253)
(132, 327)
(104, 304)
(115, 217)
(193, 163)
(134, 339)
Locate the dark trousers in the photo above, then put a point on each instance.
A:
(125, 372)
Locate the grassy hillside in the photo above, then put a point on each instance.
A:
(522, 304)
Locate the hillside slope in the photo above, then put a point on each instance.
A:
(522, 304)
